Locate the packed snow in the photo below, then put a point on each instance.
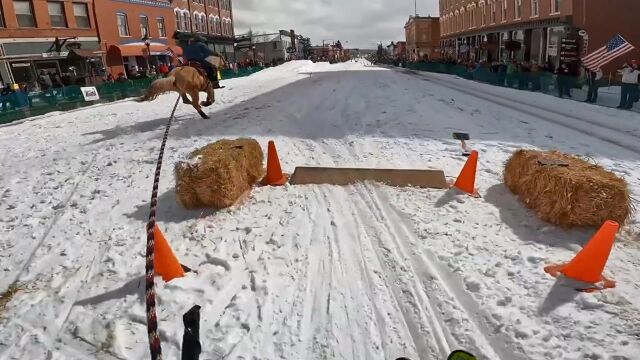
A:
(312, 272)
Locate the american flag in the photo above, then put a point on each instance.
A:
(614, 48)
(170, 52)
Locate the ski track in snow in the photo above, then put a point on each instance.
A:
(312, 272)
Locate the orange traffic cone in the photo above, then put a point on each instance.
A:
(467, 179)
(165, 262)
(588, 264)
(274, 176)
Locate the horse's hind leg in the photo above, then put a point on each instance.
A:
(196, 104)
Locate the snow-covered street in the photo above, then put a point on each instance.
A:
(312, 272)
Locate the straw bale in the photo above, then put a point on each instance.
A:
(218, 174)
(567, 191)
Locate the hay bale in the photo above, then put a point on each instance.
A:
(217, 175)
(565, 190)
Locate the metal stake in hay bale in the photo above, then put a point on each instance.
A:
(218, 174)
(565, 190)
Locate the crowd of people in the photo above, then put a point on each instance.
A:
(530, 75)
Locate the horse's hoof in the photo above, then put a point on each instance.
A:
(188, 102)
(206, 103)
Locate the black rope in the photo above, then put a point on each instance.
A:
(152, 320)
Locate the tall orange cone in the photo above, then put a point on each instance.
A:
(274, 176)
(165, 262)
(467, 179)
(588, 264)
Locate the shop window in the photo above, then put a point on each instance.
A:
(123, 26)
(144, 26)
(162, 31)
(24, 13)
(56, 14)
(81, 13)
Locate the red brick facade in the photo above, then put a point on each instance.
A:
(480, 29)
(114, 31)
(27, 34)
(422, 36)
(121, 25)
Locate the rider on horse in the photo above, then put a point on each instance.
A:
(197, 51)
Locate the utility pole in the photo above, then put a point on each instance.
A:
(415, 7)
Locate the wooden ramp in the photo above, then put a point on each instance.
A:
(345, 176)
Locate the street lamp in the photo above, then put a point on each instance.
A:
(147, 43)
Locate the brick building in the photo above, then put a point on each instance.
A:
(422, 36)
(136, 34)
(28, 31)
(115, 35)
(211, 19)
(536, 30)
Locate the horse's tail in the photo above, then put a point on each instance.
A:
(157, 88)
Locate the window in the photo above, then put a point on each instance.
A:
(493, 12)
(24, 13)
(504, 10)
(1, 18)
(178, 15)
(472, 17)
(162, 31)
(555, 6)
(81, 13)
(185, 22)
(535, 8)
(144, 26)
(56, 14)
(518, 8)
(483, 13)
(203, 23)
(123, 26)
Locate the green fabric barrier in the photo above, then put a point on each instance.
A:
(16, 106)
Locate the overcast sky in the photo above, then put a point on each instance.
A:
(363, 23)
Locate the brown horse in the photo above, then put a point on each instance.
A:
(184, 80)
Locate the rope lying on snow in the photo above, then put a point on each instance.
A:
(152, 320)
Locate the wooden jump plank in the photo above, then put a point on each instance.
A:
(346, 176)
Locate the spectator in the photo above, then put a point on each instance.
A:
(121, 78)
(563, 80)
(535, 76)
(153, 73)
(57, 81)
(592, 81)
(110, 78)
(629, 91)
(22, 97)
(512, 73)
(163, 69)
(44, 80)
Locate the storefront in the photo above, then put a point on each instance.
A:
(133, 58)
(21, 63)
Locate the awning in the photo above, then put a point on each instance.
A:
(85, 53)
(141, 50)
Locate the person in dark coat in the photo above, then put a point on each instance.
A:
(198, 51)
(564, 78)
(592, 81)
